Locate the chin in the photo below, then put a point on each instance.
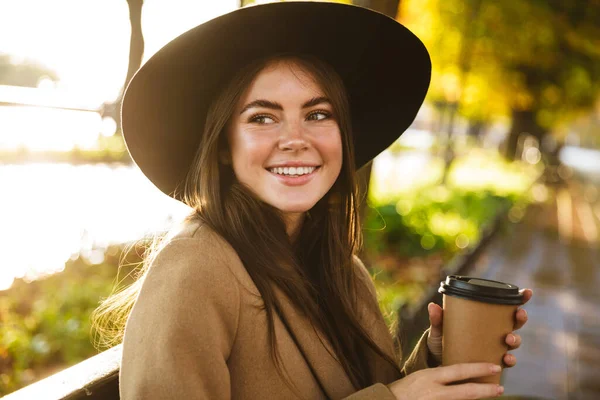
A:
(300, 207)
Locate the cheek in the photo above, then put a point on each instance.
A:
(248, 155)
(332, 150)
(247, 150)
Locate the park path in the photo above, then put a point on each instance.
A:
(554, 250)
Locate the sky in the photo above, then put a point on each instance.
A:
(87, 41)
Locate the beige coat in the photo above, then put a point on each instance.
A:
(195, 333)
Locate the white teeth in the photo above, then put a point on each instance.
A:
(293, 170)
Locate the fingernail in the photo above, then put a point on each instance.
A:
(500, 389)
(513, 339)
(496, 368)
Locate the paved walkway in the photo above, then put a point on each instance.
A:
(554, 251)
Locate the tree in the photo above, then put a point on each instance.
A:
(136, 53)
(136, 43)
(387, 7)
(536, 61)
(554, 61)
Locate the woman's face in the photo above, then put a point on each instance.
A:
(284, 139)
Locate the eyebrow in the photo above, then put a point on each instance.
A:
(276, 106)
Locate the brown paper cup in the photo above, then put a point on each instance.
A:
(478, 315)
(476, 332)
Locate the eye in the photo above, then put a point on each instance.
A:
(318, 115)
(261, 119)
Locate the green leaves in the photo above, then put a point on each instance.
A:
(494, 56)
(45, 325)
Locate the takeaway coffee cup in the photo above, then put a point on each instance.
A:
(478, 314)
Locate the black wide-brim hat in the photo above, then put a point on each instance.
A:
(385, 68)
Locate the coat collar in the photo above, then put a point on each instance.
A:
(319, 354)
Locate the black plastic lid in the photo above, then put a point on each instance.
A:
(471, 288)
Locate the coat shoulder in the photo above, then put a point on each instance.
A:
(363, 275)
(183, 326)
(208, 248)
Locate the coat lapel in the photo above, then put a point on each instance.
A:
(319, 353)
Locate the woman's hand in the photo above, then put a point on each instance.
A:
(434, 341)
(440, 383)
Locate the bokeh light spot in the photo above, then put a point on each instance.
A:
(462, 241)
(427, 242)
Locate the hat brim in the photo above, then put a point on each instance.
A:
(386, 70)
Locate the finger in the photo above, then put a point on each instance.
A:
(471, 391)
(459, 372)
(513, 341)
(436, 315)
(520, 318)
(509, 360)
(527, 294)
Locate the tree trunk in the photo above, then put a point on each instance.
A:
(391, 9)
(387, 7)
(136, 46)
(476, 129)
(523, 121)
(136, 53)
(464, 62)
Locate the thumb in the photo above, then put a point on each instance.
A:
(435, 319)
(434, 340)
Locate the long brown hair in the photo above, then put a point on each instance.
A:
(316, 271)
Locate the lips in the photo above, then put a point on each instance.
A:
(290, 164)
(295, 180)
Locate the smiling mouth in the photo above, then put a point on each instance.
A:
(293, 171)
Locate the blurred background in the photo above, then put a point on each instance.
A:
(499, 175)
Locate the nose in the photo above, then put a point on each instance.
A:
(292, 137)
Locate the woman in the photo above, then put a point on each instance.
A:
(258, 120)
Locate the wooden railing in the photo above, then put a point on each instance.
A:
(93, 379)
